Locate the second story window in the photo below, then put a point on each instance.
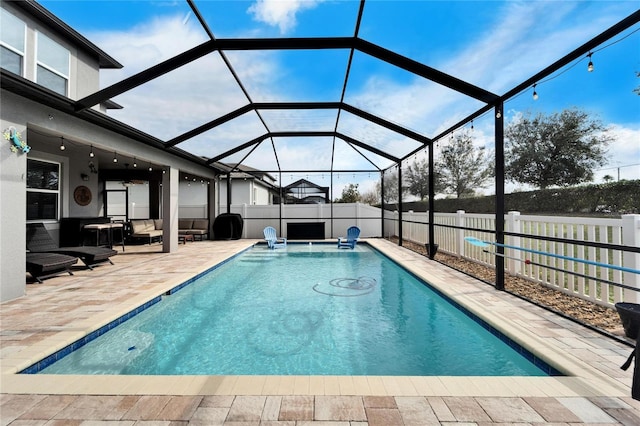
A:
(12, 39)
(52, 65)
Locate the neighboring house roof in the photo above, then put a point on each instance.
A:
(303, 183)
(55, 24)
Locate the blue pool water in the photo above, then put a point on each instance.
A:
(303, 310)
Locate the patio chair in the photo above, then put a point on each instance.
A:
(352, 238)
(46, 265)
(39, 241)
(272, 240)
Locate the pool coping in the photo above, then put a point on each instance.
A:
(584, 379)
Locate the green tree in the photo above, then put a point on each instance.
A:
(390, 195)
(417, 179)
(463, 168)
(560, 149)
(371, 197)
(350, 194)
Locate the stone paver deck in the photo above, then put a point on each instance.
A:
(63, 309)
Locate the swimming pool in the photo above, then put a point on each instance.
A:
(306, 310)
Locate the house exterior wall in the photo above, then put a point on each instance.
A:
(13, 199)
(26, 116)
(249, 192)
(84, 77)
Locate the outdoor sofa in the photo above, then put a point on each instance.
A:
(147, 229)
(199, 228)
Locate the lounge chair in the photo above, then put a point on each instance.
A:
(39, 241)
(272, 240)
(45, 265)
(352, 238)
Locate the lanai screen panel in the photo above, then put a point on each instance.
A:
(226, 136)
(291, 75)
(182, 99)
(404, 98)
(300, 119)
(377, 136)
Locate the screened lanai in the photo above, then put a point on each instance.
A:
(353, 92)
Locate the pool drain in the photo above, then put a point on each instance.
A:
(347, 287)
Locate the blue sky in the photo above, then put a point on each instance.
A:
(494, 45)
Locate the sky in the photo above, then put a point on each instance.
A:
(494, 45)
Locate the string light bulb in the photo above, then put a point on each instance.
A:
(150, 168)
(590, 65)
(134, 162)
(471, 124)
(62, 147)
(91, 154)
(535, 94)
(115, 157)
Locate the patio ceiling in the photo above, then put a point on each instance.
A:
(241, 109)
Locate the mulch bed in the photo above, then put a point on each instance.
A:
(597, 316)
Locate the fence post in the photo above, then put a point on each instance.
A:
(395, 223)
(514, 265)
(459, 236)
(631, 238)
(244, 214)
(358, 214)
(411, 218)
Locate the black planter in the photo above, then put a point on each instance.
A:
(435, 250)
(630, 316)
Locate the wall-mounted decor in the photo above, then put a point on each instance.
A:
(82, 195)
(17, 144)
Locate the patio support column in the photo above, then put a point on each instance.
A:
(432, 252)
(499, 182)
(170, 189)
(400, 203)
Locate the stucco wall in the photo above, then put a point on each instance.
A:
(12, 205)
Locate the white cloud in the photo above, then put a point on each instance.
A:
(280, 13)
(623, 154)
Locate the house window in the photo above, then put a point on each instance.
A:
(12, 37)
(43, 190)
(52, 65)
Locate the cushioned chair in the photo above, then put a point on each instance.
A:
(352, 238)
(39, 241)
(45, 265)
(272, 240)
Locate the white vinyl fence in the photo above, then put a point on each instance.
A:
(534, 259)
(257, 217)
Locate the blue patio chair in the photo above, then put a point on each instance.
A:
(352, 238)
(272, 240)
